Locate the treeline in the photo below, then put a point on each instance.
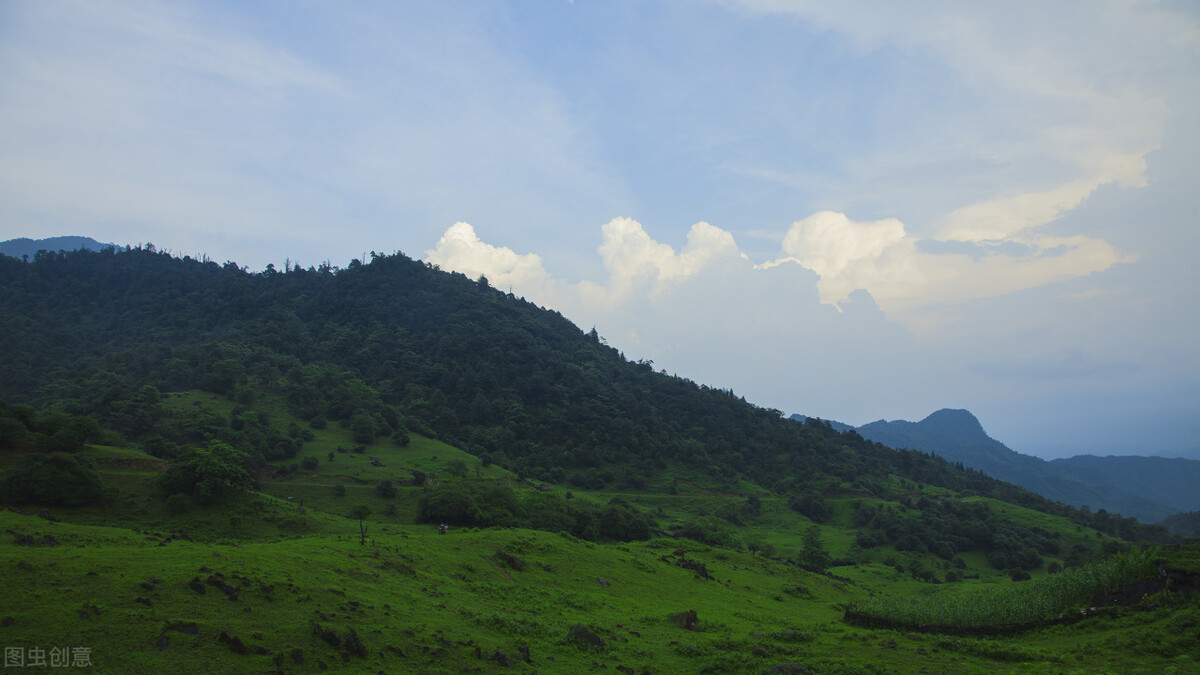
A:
(496, 504)
(392, 345)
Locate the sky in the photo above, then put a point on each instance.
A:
(852, 210)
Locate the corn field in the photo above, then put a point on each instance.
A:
(1046, 599)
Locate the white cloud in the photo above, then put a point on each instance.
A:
(881, 258)
(461, 250)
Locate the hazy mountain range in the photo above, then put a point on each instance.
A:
(1147, 488)
(24, 246)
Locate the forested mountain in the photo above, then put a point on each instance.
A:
(393, 344)
(26, 247)
(1148, 488)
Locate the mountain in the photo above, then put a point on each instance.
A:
(1148, 489)
(1174, 482)
(22, 247)
(394, 345)
(836, 426)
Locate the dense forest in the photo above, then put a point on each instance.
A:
(392, 345)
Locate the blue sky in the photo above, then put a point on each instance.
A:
(853, 210)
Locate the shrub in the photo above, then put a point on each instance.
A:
(385, 489)
(309, 463)
(179, 503)
(56, 478)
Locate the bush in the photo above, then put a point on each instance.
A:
(339, 490)
(179, 503)
(309, 463)
(58, 479)
(205, 473)
(385, 489)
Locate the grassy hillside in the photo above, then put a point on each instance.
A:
(411, 600)
(218, 471)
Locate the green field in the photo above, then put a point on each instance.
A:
(292, 589)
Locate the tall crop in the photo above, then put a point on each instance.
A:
(1046, 599)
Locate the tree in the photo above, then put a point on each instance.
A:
(385, 489)
(457, 468)
(362, 428)
(361, 512)
(51, 478)
(814, 556)
(207, 472)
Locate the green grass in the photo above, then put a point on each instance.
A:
(1046, 599)
(421, 602)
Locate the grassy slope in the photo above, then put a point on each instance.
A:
(421, 602)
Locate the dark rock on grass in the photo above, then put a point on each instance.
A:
(686, 620)
(188, 627)
(354, 645)
(625, 669)
(162, 641)
(788, 669)
(88, 610)
(297, 657)
(6, 622)
(524, 652)
(583, 636)
(235, 643)
(226, 588)
(758, 650)
(145, 601)
(327, 635)
(503, 660)
(197, 585)
(602, 583)
(510, 560)
(259, 649)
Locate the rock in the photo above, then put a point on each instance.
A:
(145, 601)
(583, 636)
(686, 620)
(354, 645)
(6, 622)
(626, 669)
(503, 660)
(602, 583)
(788, 669)
(510, 560)
(758, 650)
(197, 585)
(188, 628)
(297, 657)
(162, 641)
(524, 652)
(235, 644)
(327, 635)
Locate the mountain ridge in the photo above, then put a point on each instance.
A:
(1148, 488)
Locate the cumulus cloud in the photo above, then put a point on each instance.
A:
(883, 259)
(461, 250)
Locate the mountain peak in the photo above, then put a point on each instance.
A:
(954, 421)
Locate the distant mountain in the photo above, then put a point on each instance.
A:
(837, 426)
(1174, 482)
(24, 246)
(1146, 488)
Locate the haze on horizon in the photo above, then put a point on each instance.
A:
(854, 211)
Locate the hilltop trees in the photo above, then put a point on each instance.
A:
(206, 472)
